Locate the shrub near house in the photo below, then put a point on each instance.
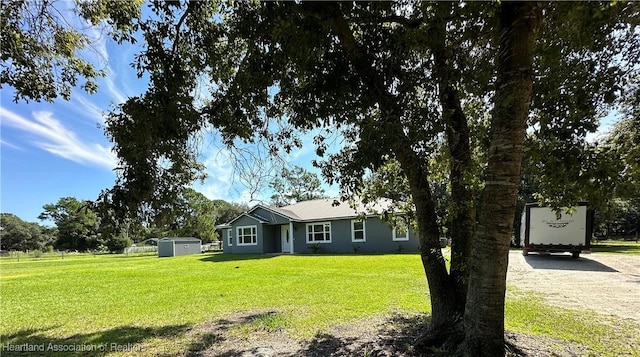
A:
(322, 225)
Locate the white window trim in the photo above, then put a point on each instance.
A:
(401, 239)
(230, 237)
(353, 231)
(253, 229)
(306, 231)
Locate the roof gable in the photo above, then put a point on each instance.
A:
(331, 208)
(308, 211)
(245, 214)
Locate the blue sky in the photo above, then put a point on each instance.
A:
(53, 150)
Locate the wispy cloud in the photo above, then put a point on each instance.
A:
(116, 94)
(50, 135)
(225, 182)
(98, 54)
(88, 108)
(219, 182)
(6, 143)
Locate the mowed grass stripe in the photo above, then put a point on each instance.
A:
(86, 299)
(98, 292)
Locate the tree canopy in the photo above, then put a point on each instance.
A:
(42, 41)
(17, 234)
(195, 216)
(398, 81)
(295, 185)
(78, 224)
(445, 89)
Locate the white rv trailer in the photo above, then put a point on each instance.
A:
(542, 231)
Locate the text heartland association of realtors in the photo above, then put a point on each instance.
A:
(53, 347)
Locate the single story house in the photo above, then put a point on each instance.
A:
(323, 225)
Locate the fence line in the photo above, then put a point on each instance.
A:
(152, 248)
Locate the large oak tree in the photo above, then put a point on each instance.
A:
(398, 81)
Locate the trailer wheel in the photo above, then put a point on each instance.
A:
(575, 255)
(525, 252)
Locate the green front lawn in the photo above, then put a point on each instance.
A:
(96, 298)
(616, 246)
(155, 302)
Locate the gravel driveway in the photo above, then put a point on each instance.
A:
(605, 283)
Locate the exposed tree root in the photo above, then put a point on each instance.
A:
(440, 341)
(449, 341)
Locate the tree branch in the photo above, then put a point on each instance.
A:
(178, 25)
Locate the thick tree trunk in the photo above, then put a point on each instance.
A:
(484, 312)
(462, 213)
(462, 197)
(445, 310)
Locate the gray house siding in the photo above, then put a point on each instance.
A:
(271, 238)
(299, 240)
(378, 238)
(268, 237)
(226, 247)
(268, 227)
(247, 249)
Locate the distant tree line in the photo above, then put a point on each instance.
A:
(17, 234)
(81, 226)
(295, 185)
(606, 173)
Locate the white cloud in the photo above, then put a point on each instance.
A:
(98, 54)
(252, 198)
(219, 182)
(6, 143)
(225, 182)
(116, 95)
(331, 191)
(50, 135)
(86, 107)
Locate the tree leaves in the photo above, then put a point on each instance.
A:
(41, 41)
(295, 185)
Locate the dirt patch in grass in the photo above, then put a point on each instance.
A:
(606, 284)
(242, 334)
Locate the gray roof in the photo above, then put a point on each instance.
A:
(181, 239)
(316, 210)
(328, 209)
(283, 211)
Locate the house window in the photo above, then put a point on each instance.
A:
(247, 235)
(229, 237)
(319, 232)
(401, 230)
(357, 231)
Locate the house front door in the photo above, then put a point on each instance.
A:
(286, 239)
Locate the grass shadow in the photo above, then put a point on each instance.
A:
(218, 257)
(324, 344)
(396, 336)
(101, 343)
(565, 262)
(208, 335)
